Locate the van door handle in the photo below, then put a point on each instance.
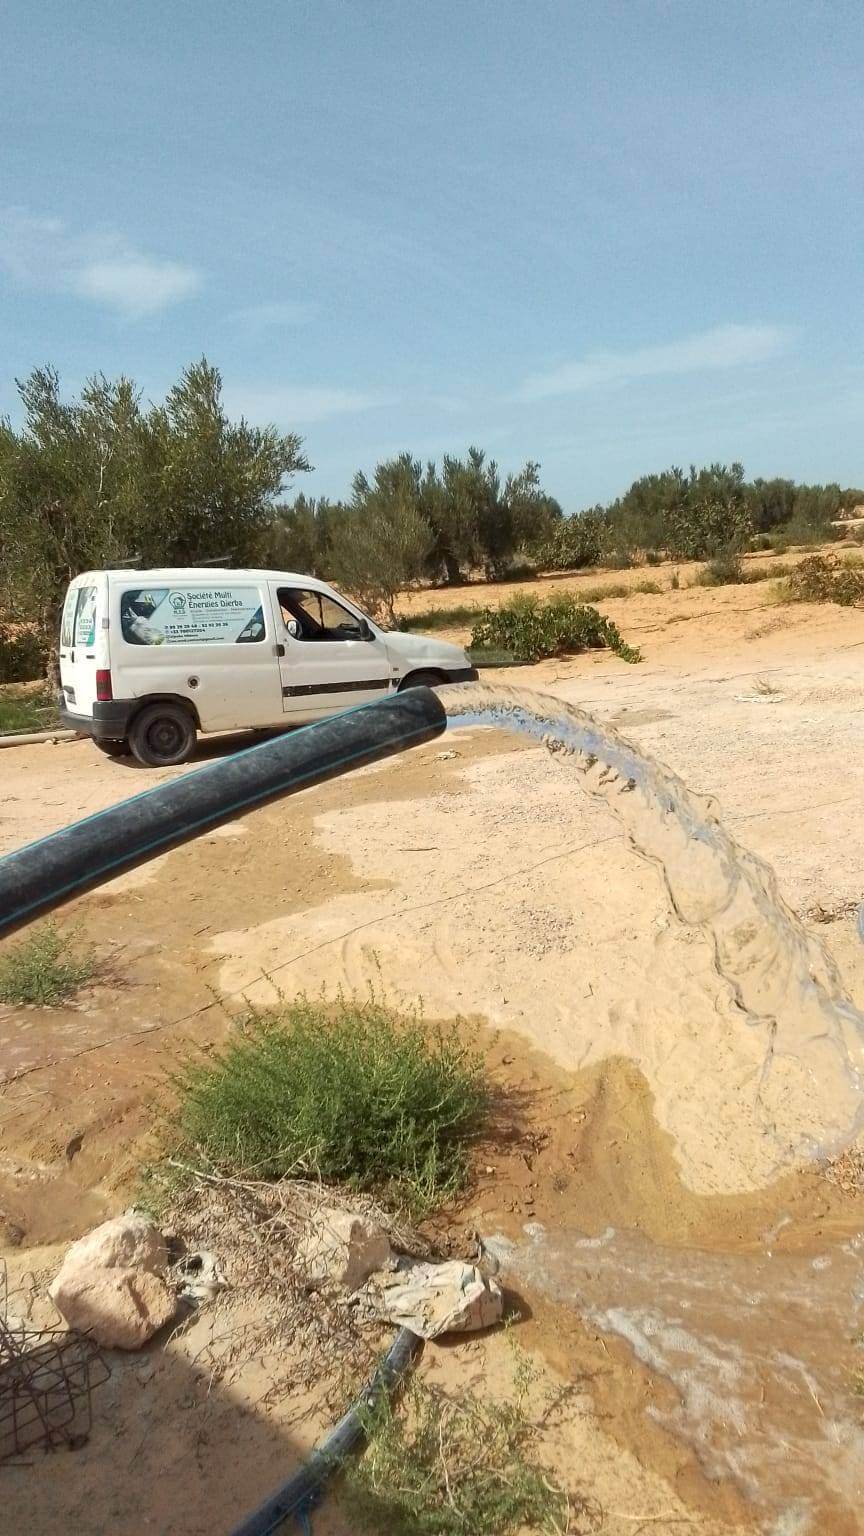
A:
(279, 648)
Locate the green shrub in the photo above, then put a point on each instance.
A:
(522, 569)
(601, 594)
(529, 630)
(724, 570)
(352, 1094)
(42, 970)
(824, 579)
(618, 559)
(646, 586)
(574, 542)
(437, 618)
(435, 1467)
(23, 655)
(772, 570)
(27, 712)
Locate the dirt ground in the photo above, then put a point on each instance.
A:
(473, 876)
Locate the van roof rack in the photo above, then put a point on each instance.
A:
(133, 560)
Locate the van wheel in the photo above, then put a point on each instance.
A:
(113, 748)
(422, 680)
(162, 735)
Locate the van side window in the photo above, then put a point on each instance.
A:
(315, 616)
(67, 627)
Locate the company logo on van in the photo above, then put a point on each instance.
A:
(178, 602)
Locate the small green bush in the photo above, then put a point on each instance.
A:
(521, 569)
(352, 1094)
(824, 579)
(434, 1467)
(574, 542)
(602, 594)
(529, 630)
(724, 570)
(437, 618)
(23, 654)
(27, 712)
(42, 970)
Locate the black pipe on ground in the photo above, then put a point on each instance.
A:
(298, 1494)
(42, 874)
(35, 878)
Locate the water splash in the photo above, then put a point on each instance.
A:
(754, 1346)
(810, 1098)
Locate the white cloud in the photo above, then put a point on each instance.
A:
(287, 405)
(135, 285)
(265, 317)
(726, 346)
(102, 265)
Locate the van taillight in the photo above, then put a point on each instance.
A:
(103, 685)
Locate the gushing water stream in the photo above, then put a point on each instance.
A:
(751, 1345)
(783, 982)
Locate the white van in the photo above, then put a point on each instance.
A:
(150, 658)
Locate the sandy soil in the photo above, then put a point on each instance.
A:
(472, 873)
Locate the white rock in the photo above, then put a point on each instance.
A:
(432, 1299)
(120, 1308)
(131, 1241)
(342, 1247)
(111, 1284)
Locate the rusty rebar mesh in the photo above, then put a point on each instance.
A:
(47, 1377)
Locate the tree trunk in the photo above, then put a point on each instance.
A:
(52, 669)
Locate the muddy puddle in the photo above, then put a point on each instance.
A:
(757, 1350)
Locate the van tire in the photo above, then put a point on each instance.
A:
(422, 680)
(162, 735)
(113, 748)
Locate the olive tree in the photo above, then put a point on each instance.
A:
(88, 482)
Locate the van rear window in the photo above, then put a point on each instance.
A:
(192, 616)
(67, 626)
(85, 617)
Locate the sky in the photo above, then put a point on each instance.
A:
(607, 235)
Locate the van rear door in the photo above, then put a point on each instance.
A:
(84, 641)
(209, 640)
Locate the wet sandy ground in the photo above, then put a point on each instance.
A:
(465, 879)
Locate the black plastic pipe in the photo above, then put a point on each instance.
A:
(297, 1495)
(44, 873)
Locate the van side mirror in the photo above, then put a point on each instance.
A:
(365, 630)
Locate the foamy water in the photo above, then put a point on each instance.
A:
(754, 1348)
